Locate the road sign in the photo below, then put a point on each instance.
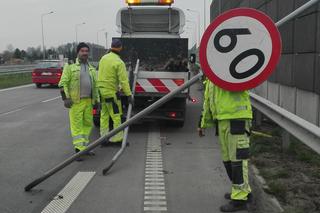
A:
(240, 49)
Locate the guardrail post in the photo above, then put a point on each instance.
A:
(258, 118)
(285, 138)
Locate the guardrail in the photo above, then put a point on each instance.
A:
(306, 132)
(11, 72)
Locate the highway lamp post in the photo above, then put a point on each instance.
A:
(198, 15)
(76, 29)
(98, 34)
(43, 48)
(192, 34)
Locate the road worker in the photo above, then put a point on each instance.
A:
(112, 80)
(231, 114)
(79, 93)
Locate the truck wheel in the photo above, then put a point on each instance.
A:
(38, 85)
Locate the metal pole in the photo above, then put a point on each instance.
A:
(198, 17)
(297, 12)
(76, 28)
(43, 51)
(126, 131)
(43, 48)
(204, 15)
(96, 143)
(98, 34)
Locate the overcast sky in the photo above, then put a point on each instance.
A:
(21, 22)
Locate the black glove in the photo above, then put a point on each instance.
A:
(131, 100)
(68, 103)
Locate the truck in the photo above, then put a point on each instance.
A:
(151, 32)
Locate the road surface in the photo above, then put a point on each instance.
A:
(187, 176)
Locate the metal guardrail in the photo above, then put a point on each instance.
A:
(303, 130)
(12, 72)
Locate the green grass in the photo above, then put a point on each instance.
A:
(11, 80)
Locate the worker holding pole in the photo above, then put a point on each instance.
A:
(112, 79)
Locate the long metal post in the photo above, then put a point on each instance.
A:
(99, 141)
(297, 12)
(126, 131)
(44, 52)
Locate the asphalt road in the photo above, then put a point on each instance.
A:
(35, 136)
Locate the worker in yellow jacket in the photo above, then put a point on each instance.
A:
(231, 114)
(79, 93)
(112, 79)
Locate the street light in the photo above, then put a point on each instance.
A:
(198, 13)
(76, 27)
(98, 34)
(204, 16)
(43, 15)
(194, 35)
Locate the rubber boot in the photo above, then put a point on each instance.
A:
(234, 206)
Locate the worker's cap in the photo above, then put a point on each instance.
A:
(82, 45)
(116, 43)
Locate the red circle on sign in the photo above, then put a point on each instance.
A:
(274, 59)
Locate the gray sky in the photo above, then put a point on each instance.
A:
(21, 22)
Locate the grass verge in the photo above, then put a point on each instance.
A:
(12, 80)
(292, 175)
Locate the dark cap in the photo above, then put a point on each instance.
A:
(82, 45)
(116, 43)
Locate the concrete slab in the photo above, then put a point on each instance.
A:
(308, 106)
(273, 92)
(287, 98)
(284, 72)
(305, 33)
(304, 71)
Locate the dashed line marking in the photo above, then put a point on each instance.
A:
(52, 99)
(154, 190)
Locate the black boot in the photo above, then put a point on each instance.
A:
(234, 206)
(80, 158)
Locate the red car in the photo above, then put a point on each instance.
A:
(47, 72)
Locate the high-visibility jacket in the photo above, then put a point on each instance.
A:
(220, 104)
(112, 76)
(70, 81)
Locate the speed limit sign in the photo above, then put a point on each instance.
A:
(240, 49)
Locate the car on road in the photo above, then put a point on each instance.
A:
(47, 72)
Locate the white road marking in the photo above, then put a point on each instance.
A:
(154, 189)
(13, 111)
(19, 87)
(62, 202)
(52, 99)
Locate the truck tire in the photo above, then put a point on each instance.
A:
(38, 85)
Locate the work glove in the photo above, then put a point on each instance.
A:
(131, 100)
(68, 103)
(201, 132)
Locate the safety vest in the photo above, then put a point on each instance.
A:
(220, 104)
(112, 76)
(70, 81)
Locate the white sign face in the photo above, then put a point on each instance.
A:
(240, 49)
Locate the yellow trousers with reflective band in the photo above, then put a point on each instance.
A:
(81, 123)
(111, 110)
(235, 156)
